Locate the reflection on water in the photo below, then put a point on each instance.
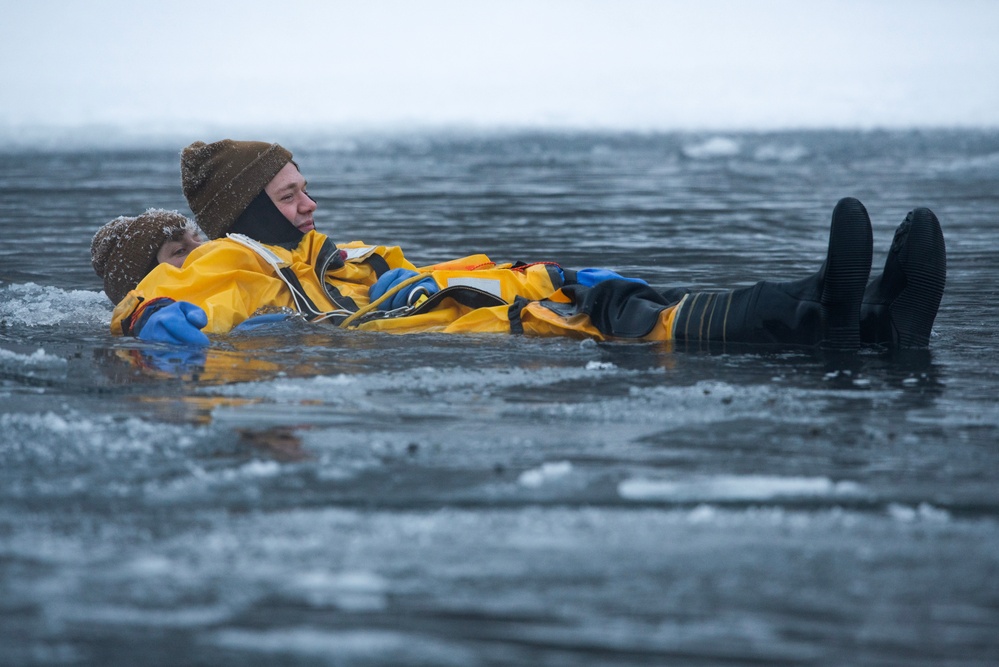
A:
(308, 495)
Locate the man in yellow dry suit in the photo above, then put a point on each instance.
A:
(267, 256)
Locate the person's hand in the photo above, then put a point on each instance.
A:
(390, 279)
(590, 277)
(179, 323)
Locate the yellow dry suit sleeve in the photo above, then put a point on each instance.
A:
(229, 282)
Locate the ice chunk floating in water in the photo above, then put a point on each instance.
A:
(712, 148)
(33, 305)
(735, 488)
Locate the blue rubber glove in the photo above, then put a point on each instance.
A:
(179, 323)
(257, 321)
(590, 277)
(390, 279)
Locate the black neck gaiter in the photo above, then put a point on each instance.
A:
(262, 221)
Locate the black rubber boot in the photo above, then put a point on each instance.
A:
(823, 309)
(901, 303)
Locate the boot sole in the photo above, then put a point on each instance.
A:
(847, 268)
(923, 258)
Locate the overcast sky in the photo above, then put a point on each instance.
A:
(642, 64)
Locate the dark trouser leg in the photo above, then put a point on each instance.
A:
(901, 303)
(823, 309)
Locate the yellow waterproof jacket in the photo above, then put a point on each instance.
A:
(231, 281)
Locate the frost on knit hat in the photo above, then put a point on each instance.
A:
(124, 250)
(222, 178)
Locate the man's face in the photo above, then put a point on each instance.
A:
(288, 192)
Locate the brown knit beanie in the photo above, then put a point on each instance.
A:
(221, 179)
(124, 250)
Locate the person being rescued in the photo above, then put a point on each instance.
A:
(266, 255)
(126, 249)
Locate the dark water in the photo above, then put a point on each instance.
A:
(306, 496)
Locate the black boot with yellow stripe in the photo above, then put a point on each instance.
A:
(821, 310)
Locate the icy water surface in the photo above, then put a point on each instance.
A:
(310, 496)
